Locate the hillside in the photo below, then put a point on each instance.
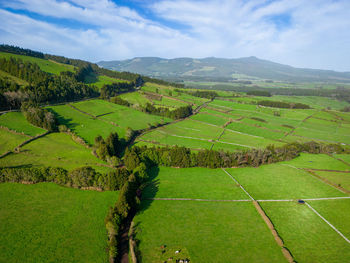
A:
(223, 69)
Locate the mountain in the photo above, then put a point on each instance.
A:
(225, 69)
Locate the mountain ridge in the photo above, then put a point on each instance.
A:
(227, 69)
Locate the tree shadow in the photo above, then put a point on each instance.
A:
(65, 121)
(150, 190)
(148, 193)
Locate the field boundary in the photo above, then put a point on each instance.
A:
(328, 223)
(251, 198)
(285, 251)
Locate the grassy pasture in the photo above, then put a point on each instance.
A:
(49, 223)
(341, 179)
(312, 101)
(9, 141)
(276, 181)
(122, 117)
(199, 183)
(82, 124)
(268, 134)
(216, 120)
(172, 140)
(136, 98)
(318, 161)
(17, 122)
(55, 149)
(305, 234)
(250, 141)
(336, 212)
(208, 231)
(100, 80)
(45, 65)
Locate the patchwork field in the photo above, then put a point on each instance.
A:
(229, 126)
(97, 117)
(219, 203)
(56, 149)
(49, 223)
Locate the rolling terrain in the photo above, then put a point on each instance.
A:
(225, 69)
(141, 168)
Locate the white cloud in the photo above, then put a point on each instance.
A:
(315, 35)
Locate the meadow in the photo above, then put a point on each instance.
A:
(55, 149)
(175, 198)
(210, 232)
(232, 126)
(91, 118)
(17, 122)
(45, 65)
(49, 223)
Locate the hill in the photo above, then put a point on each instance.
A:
(216, 69)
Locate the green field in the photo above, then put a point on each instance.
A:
(100, 80)
(55, 149)
(199, 183)
(305, 234)
(209, 231)
(49, 223)
(9, 141)
(17, 122)
(45, 65)
(277, 181)
(318, 161)
(83, 125)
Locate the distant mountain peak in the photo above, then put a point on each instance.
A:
(212, 68)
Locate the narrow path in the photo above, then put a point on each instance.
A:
(251, 198)
(246, 200)
(196, 199)
(286, 253)
(328, 223)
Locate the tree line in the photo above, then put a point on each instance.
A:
(261, 93)
(82, 177)
(282, 104)
(43, 87)
(183, 157)
(39, 117)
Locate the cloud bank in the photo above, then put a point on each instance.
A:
(301, 33)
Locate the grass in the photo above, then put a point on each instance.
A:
(312, 101)
(336, 212)
(17, 122)
(305, 234)
(198, 183)
(216, 120)
(208, 231)
(276, 181)
(84, 125)
(9, 141)
(341, 179)
(55, 149)
(100, 80)
(318, 161)
(250, 141)
(49, 223)
(268, 134)
(168, 139)
(136, 98)
(45, 65)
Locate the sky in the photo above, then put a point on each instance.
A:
(301, 33)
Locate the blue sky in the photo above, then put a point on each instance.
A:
(301, 33)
